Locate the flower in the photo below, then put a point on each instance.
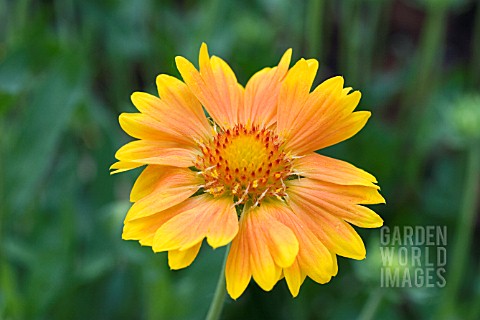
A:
(248, 174)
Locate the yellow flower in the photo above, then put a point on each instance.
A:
(248, 174)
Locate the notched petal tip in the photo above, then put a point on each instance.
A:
(312, 63)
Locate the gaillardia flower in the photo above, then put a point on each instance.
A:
(248, 173)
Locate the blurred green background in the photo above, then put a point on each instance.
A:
(67, 69)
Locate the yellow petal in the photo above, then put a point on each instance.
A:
(179, 259)
(238, 271)
(171, 187)
(157, 152)
(142, 126)
(281, 240)
(293, 94)
(122, 166)
(294, 277)
(224, 224)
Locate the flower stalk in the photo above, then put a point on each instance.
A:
(464, 232)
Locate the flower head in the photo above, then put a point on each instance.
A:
(248, 174)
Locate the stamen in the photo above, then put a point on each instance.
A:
(248, 163)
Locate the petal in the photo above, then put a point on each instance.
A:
(314, 259)
(293, 95)
(159, 188)
(154, 178)
(147, 181)
(184, 107)
(333, 193)
(238, 271)
(271, 244)
(177, 118)
(341, 201)
(122, 166)
(294, 276)
(324, 118)
(261, 94)
(215, 86)
(179, 259)
(282, 242)
(157, 152)
(337, 132)
(196, 221)
(144, 229)
(142, 126)
(224, 225)
(264, 270)
(337, 235)
(319, 167)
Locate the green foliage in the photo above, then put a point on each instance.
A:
(67, 69)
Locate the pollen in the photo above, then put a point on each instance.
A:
(249, 164)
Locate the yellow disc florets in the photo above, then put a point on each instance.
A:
(247, 163)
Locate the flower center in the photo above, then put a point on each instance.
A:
(247, 163)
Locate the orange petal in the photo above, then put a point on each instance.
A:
(179, 119)
(337, 235)
(215, 86)
(122, 166)
(318, 167)
(157, 152)
(159, 188)
(264, 270)
(144, 229)
(270, 246)
(179, 259)
(323, 118)
(351, 194)
(183, 108)
(196, 222)
(314, 259)
(238, 270)
(261, 94)
(342, 201)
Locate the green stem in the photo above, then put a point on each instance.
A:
(371, 307)
(216, 306)
(429, 54)
(415, 101)
(371, 36)
(464, 233)
(475, 310)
